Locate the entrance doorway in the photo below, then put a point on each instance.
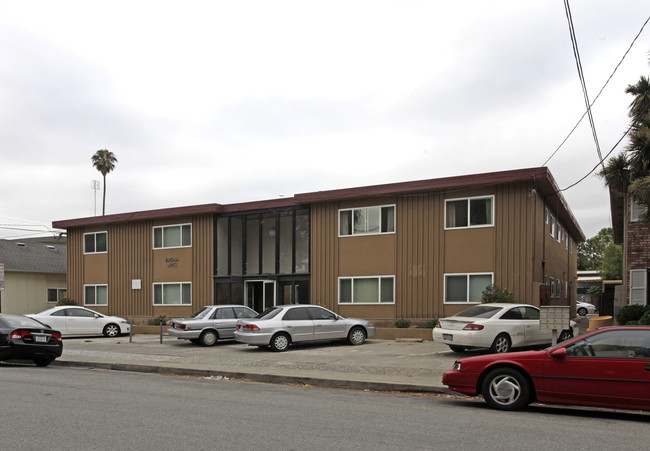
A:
(260, 294)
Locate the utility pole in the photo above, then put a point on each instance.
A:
(94, 184)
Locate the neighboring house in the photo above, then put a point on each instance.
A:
(417, 250)
(633, 233)
(35, 276)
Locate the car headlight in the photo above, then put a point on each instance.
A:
(456, 366)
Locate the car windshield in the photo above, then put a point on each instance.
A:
(479, 311)
(201, 313)
(22, 321)
(269, 313)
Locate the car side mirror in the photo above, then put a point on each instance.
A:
(96, 315)
(559, 353)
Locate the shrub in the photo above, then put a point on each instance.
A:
(645, 319)
(157, 321)
(66, 301)
(430, 324)
(403, 323)
(493, 293)
(630, 314)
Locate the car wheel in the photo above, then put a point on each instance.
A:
(280, 342)
(582, 311)
(501, 344)
(208, 338)
(565, 335)
(111, 330)
(506, 389)
(42, 362)
(456, 348)
(356, 336)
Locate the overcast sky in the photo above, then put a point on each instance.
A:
(235, 101)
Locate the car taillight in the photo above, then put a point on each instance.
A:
(179, 326)
(19, 334)
(56, 335)
(438, 324)
(473, 327)
(250, 327)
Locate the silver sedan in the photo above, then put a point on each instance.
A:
(283, 325)
(211, 323)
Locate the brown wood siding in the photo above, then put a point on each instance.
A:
(131, 257)
(324, 255)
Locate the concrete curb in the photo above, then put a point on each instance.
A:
(254, 377)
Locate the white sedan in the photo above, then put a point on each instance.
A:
(582, 308)
(499, 327)
(75, 320)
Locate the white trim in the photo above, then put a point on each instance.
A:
(469, 199)
(153, 236)
(365, 208)
(58, 289)
(153, 294)
(637, 211)
(467, 274)
(353, 278)
(95, 234)
(95, 285)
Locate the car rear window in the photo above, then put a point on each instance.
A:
(201, 313)
(21, 321)
(479, 311)
(269, 313)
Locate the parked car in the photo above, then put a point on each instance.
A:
(210, 324)
(81, 321)
(582, 308)
(499, 327)
(23, 338)
(283, 325)
(609, 367)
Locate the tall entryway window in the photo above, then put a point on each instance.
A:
(262, 257)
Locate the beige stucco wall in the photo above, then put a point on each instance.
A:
(27, 292)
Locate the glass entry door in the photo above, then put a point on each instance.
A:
(260, 294)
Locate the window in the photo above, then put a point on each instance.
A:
(614, 344)
(637, 211)
(470, 212)
(366, 290)
(367, 221)
(172, 236)
(638, 286)
(558, 236)
(552, 227)
(95, 294)
(95, 243)
(466, 287)
(172, 293)
(55, 294)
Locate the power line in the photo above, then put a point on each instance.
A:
(581, 76)
(599, 92)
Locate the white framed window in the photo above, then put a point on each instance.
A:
(367, 220)
(95, 294)
(637, 211)
(464, 288)
(95, 243)
(546, 215)
(552, 226)
(172, 293)
(638, 286)
(178, 235)
(559, 232)
(469, 212)
(54, 295)
(367, 290)
(551, 282)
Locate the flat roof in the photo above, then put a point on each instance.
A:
(540, 178)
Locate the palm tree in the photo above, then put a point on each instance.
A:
(617, 173)
(104, 161)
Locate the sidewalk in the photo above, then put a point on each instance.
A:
(382, 365)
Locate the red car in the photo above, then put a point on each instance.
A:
(609, 367)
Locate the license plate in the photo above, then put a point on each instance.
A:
(40, 338)
(448, 337)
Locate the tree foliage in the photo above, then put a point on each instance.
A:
(590, 253)
(612, 266)
(104, 161)
(630, 170)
